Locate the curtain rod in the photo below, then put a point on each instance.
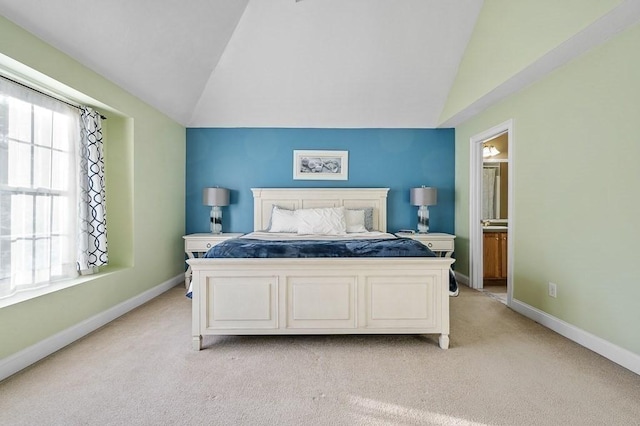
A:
(45, 94)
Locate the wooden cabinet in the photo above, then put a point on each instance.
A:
(494, 249)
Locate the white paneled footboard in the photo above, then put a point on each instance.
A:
(320, 296)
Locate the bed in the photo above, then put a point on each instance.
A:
(326, 295)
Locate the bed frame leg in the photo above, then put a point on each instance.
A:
(197, 343)
(443, 340)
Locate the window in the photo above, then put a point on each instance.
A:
(39, 137)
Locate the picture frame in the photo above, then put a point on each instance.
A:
(320, 165)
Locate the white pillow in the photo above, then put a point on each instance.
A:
(355, 220)
(283, 220)
(328, 221)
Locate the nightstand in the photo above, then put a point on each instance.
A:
(440, 243)
(196, 245)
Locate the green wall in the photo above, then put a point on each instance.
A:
(576, 180)
(145, 178)
(509, 35)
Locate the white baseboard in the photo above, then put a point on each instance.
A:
(44, 348)
(20, 360)
(615, 353)
(462, 279)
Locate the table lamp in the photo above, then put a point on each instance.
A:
(423, 197)
(215, 197)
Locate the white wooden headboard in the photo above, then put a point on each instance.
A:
(303, 198)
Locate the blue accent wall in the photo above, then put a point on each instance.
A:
(245, 158)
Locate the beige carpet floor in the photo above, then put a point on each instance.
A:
(501, 369)
(498, 292)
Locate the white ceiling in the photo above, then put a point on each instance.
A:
(267, 63)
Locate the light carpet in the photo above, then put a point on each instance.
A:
(498, 292)
(501, 369)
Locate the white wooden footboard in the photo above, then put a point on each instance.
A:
(320, 296)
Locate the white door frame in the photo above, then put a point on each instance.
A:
(475, 205)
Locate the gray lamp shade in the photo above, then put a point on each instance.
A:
(425, 196)
(215, 197)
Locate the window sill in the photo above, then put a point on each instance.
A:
(23, 296)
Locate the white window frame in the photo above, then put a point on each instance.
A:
(67, 269)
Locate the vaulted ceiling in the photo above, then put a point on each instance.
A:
(270, 63)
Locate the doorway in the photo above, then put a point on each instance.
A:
(491, 211)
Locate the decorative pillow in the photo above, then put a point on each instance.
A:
(368, 218)
(283, 220)
(355, 220)
(328, 221)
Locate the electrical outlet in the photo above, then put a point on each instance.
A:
(553, 290)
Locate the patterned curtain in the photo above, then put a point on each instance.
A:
(92, 242)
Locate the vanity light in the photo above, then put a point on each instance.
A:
(490, 151)
(423, 197)
(215, 197)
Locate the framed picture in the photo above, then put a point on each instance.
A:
(320, 165)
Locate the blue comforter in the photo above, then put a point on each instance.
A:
(245, 247)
